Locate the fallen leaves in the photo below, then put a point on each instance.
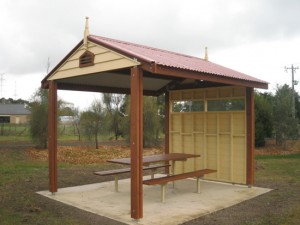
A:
(291, 147)
(87, 154)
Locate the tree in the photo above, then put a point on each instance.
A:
(12, 101)
(297, 105)
(161, 111)
(38, 122)
(263, 118)
(285, 125)
(92, 120)
(75, 114)
(113, 103)
(151, 124)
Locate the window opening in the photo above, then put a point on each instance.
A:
(226, 105)
(188, 106)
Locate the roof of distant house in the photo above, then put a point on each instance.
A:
(13, 109)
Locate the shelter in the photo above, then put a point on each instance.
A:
(13, 113)
(209, 108)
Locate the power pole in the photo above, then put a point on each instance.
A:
(293, 69)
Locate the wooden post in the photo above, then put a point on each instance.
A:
(167, 128)
(52, 135)
(250, 135)
(136, 142)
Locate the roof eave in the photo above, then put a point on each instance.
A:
(177, 72)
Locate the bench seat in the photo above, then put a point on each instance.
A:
(164, 180)
(116, 172)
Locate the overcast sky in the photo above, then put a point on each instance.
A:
(256, 37)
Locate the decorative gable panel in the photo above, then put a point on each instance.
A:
(94, 60)
(86, 59)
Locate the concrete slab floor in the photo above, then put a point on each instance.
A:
(182, 202)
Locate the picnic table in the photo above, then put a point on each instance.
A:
(173, 157)
(150, 162)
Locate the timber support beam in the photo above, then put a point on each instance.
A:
(52, 135)
(136, 142)
(250, 121)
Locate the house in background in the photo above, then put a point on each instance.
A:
(14, 113)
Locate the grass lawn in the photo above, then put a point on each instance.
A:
(21, 175)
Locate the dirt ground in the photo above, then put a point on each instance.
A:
(272, 208)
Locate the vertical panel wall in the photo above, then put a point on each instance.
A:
(210, 122)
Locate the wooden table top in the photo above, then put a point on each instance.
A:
(156, 158)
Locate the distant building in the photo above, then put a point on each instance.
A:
(14, 113)
(66, 119)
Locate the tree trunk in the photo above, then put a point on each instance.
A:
(96, 140)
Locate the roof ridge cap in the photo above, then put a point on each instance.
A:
(146, 47)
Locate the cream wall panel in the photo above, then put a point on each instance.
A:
(106, 57)
(199, 122)
(211, 93)
(76, 55)
(225, 92)
(187, 95)
(177, 146)
(199, 149)
(105, 60)
(188, 147)
(219, 137)
(98, 50)
(175, 123)
(199, 94)
(225, 157)
(225, 122)
(239, 124)
(71, 64)
(211, 123)
(211, 155)
(239, 159)
(100, 67)
(187, 123)
(239, 92)
(176, 143)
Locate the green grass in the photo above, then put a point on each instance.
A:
(282, 174)
(290, 156)
(285, 167)
(21, 177)
(20, 133)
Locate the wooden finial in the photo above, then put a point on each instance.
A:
(86, 31)
(206, 54)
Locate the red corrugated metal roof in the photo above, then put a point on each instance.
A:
(172, 59)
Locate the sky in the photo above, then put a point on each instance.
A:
(256, 37)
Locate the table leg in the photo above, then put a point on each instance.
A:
(173, 171)
(116, 183)
(163, 192)
(173, 167)
(198, 185)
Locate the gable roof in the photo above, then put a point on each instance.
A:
(172, 59)
(163, 69)
(13, 109)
